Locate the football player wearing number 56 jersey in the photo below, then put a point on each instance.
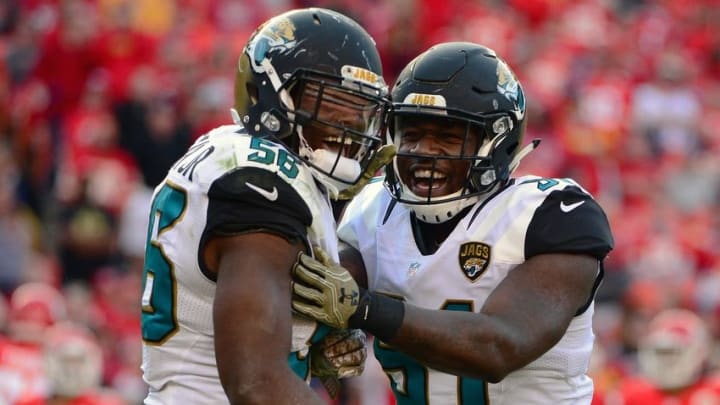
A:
(231, 216)
(478, 286)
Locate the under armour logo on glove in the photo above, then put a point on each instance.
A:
(352, 296)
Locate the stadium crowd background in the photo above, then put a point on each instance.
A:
(99, 97)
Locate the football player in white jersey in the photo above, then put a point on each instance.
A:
(480, 285)
(231, 216)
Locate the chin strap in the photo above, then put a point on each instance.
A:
(236, 117)
(522, 153)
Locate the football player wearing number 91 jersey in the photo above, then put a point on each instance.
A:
(480, 285)
(228, 221)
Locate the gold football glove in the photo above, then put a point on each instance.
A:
(324, 290)
(340, 354)
(382, 157)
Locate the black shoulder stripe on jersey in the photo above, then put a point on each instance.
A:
(569, 221)
(251, 199)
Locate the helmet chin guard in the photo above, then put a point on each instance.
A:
(345, 171)
(441, 212)
(435, 213)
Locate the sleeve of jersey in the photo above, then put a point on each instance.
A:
(569, 221)
(346, 228)
(251, 199)
(359, 217)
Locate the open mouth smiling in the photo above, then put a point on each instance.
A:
(339, 144)
(337, 141)
(426, 182)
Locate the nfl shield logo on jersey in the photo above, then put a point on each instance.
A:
(474, 258)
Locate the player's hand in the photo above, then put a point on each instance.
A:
(324, 290)
(382, 157)
(340, 354)
(346, 351)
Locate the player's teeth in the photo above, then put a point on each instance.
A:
(337, 139)
(426, 174)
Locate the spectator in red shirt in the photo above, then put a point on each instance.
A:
(673, 359)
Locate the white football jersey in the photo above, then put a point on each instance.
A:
(522, 220)
(224, 168)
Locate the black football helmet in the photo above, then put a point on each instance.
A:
(323, 56)
(464, 83)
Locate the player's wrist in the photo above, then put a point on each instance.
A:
(378, 314)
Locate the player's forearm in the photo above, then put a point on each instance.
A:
(461, 343)
(271, 386)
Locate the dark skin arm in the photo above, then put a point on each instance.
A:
(525, 316)
(253, 321)
(352, 260)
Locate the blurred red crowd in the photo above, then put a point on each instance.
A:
(99, 97)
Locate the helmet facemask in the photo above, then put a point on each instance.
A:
(339, 123)
(443, 189)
